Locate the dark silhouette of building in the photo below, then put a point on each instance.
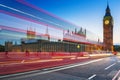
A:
(2, 48)
(108, 30)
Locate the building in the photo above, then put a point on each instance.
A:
(72, 42)
(31, 34)
(108, 30)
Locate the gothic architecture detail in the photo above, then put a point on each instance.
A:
(108, 30)
(31, 34)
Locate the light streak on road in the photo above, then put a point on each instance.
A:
(28, 61)
(22, 61)
(49, 71)
(93, 55)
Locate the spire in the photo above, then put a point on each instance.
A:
(107, 3)
(47, 30)
(47, 33)
(75, 30)
(108, 10)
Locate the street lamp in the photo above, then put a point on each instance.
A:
(78, 46)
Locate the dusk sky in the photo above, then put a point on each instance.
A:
(85, 13)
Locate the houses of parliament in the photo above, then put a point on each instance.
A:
(75, 42)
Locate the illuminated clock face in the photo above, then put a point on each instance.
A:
(106, 21)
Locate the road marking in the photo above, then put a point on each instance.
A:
(22, 61)
(91, 77)
(110, 66)
(119, 78)
(114, 78)
(45, 72)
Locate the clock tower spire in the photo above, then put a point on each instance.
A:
(108, 30)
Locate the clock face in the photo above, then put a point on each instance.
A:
(106, 21)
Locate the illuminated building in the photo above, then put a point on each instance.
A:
(31, 34)
(108, 30)
(72, 42)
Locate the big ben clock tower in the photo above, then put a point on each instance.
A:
(108, 30)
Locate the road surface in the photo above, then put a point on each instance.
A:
(99, 69)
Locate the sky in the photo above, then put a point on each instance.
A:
(85, 13)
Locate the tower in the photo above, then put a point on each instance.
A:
(47, 34)
(31, 34)
(108, 30)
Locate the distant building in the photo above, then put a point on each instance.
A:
(72, 42)
(108, 30)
